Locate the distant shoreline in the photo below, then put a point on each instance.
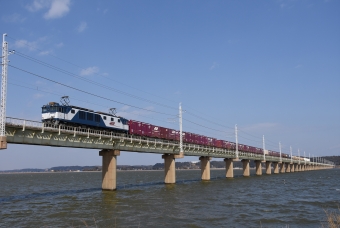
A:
(153, 170)
(118, 170)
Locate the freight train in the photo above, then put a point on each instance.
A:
(55, 113)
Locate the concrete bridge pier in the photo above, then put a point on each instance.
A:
(287, 167)
(3, 142)
(246, 168)
(169, 167)
(109, 169)
(282, 167)
(292, 168)
(296, 167)
(229, 168)
(205, 167)
(268, 167)
(258, 167)
(276, 167)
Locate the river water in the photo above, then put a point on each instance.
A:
(142, 200)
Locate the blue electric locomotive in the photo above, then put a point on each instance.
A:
(55, 113)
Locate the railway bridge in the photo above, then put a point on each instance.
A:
(109, 145)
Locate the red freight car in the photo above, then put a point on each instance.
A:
(155, 132)
(186, 137)
(224, 144)
(177, 136)
(194, 138)
(204, 140)
(219, 143)
(199, 139)
(232, 146)
(164, 133)
(147, 129)
(135, 127)
(241, 147)
(172, 134)
(211, 141)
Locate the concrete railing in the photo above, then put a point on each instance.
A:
(187, 147)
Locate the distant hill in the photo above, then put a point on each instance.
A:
(24, 171)
(157, 166)
(335, 159)
(75, 168)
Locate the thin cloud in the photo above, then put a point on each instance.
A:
(124, 108)
(38, 95)
(102, 11)
(56, 8)
(30, 45)
(25, 44)
(82, 27)
(214, 65)
(39, 82)
(13, 18)
(298, 66)
(136, 113)
(60, 45)
(89, 71)
(45, 52)
(59, 8)
(37, 5)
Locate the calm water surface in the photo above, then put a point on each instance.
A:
(142, 200)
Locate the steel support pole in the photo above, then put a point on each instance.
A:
(3, 141)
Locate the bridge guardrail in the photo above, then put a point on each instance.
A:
(121, 136)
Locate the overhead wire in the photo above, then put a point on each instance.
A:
(77, 66)
(90, 81)
(56, 94)
(219, 124)
(104, 86)
(131, 113)
(122, 92)
(204, 126)
(79, 90)
(83, 91)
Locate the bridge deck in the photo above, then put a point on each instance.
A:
(20, 131)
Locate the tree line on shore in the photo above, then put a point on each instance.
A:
(157, 166)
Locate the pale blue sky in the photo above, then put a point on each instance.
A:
(271, 67)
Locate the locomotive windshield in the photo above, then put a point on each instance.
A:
(47, 109)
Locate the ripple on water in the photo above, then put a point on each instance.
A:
(269, 201)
